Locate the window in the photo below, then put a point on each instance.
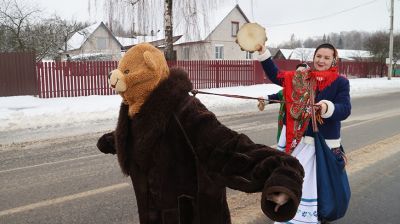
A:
(101, 43)
(249, 55)
(219, 51)
(234, 28)
(186, 53)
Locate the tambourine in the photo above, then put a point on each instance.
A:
(250, 36)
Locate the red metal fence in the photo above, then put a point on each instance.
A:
(221, 73)
(69, 79)
(17, 74)
(363, 69)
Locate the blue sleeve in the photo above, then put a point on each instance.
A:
(275, 96)
(342, 101)
(271, 71)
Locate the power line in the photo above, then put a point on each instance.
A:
(326, 16)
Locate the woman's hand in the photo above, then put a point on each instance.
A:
(279, 198)
(261, 103)
(261, 49)
(323, 107)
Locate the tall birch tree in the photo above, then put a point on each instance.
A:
(143, 16)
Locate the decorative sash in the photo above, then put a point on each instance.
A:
(298, 86)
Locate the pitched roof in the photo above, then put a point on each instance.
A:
(157, 40)
(302, 54)
(203, 28)
(80, 37)
(286, 52)
(273, 50)
(351, 54)
(205, 24)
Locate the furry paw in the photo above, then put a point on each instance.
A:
(106, 143)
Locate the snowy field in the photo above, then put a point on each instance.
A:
(22, 114)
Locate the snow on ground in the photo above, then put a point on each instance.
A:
(28, 112)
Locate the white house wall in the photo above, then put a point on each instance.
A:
(197, 51)
(220, 36)
(112, 47)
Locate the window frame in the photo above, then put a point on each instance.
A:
(219, 51)
(249, 56)
(234, 28)
(99, 44)
(186, 53)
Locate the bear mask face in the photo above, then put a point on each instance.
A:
(139, 72)
(116, 80)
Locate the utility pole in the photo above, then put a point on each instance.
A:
(390, 69)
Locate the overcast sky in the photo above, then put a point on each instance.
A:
(304, 18)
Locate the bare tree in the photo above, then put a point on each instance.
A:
(15, 18)
(23, 29)
(305, 54)
(68, 28)
(118, 29)
(50, 36)
(310, 43)
(354, 40)
(142, 16)
(292, 44)
(340, 42)
(378, 45)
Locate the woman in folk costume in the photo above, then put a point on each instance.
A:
(332, 96)
(275, 98)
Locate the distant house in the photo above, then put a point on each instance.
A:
(95, 42)
(283, 54)
(273, 51)
(302, 54)
(215, 40)
(354, 55)
(307, 54)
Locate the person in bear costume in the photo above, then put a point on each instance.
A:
(181, 158)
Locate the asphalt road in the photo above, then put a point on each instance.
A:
(66, 180)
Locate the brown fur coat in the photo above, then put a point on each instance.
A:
(177, 184)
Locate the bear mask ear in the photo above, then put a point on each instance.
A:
(150, 62)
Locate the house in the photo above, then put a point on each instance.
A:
(302, 54)
(354, 55)
(282, 54)
(208, 39)
(307, 54)
(95, 42)
(212, 37)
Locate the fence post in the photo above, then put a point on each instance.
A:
(258, 72)
(217, 73)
